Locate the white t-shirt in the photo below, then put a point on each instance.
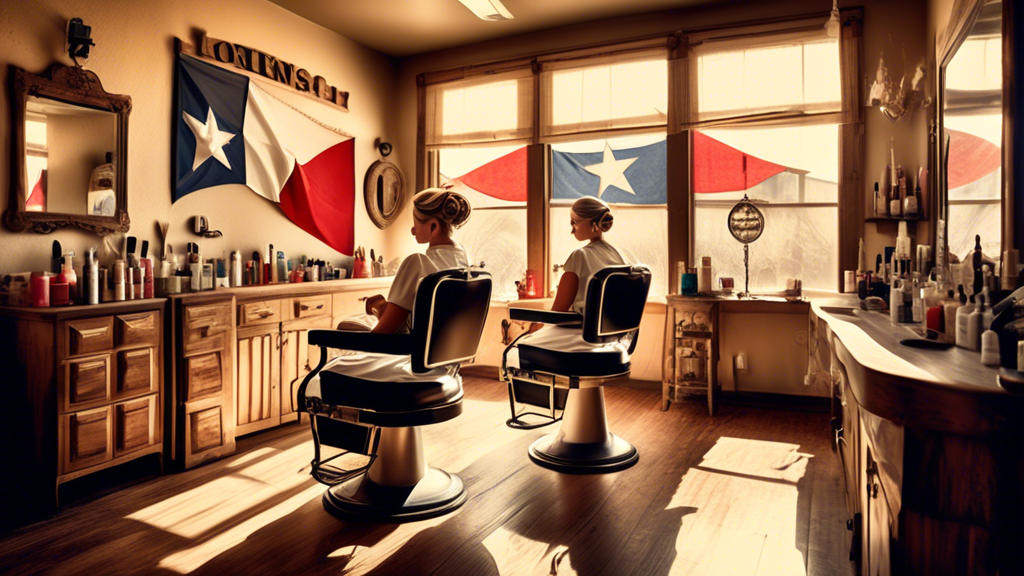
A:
(417, 266)
(586, 261)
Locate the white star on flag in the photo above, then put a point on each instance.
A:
(611, 171)
(210, 139)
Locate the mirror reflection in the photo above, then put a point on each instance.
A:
(973, 126)
(69, 158)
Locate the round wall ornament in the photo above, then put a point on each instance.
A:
(384, 193)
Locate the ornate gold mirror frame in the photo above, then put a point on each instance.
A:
(71, 85)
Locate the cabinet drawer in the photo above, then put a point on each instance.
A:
(261, 312)
(204, 375)
(207, 327)
(348, 304)
(136, 372)
(310, 307)
(205, 429)
(86, 381)
(88, 336)
(134, 329)
(135, 425)
(86, 439)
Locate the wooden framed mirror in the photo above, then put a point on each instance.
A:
(976, 144)
(69, 152)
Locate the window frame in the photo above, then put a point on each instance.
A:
(681, 199)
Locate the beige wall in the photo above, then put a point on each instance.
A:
(134, 55)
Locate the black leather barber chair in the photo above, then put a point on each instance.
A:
(564, 372)
(375, 403)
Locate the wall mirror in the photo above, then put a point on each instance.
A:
(69, 145)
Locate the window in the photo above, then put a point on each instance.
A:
(789, 170)
(791, 174)
(493, 179)
(641, 218)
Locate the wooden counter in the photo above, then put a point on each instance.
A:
(931, 447)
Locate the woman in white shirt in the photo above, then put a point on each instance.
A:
(436, 214)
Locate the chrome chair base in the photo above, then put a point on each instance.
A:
(360, 498)
(612, 455)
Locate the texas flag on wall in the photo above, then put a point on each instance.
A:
(231, 131)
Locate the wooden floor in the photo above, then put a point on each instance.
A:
(749, 492)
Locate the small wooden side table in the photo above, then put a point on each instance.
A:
(691, 349)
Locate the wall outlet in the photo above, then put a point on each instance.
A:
(741, 361)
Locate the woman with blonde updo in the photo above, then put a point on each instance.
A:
(590, 219)
(436, 213)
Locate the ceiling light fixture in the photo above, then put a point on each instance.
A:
(832, 26)
(488, 9)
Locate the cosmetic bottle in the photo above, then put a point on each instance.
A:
(40, 286)
(688, 285)
(59, 295)
(880, 206)
(910, 203)
(974, 325)
(917, 310)
(119, 289)
(989, 348)
(207, 272)
(56, 258)
(949, 309)
(704, 276)
(236, 269)
(67, 274)
(963, 312)
(886, 192)
(91, 272)
(896, 300)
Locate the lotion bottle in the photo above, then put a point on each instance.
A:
(949, 309)
(974, 325)
(963, 314)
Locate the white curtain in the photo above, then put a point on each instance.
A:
(480, 110)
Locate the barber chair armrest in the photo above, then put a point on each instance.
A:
(545, 316)
(395, 344)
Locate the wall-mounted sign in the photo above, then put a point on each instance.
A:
(268, 66)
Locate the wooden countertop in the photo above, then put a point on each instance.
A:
(948, 390)
(83, 309)
(288, 289)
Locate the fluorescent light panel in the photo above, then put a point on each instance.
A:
(488, 9)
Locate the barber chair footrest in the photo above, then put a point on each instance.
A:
(591, 458)
(360, 498)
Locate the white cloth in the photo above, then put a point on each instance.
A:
(376, 368)
(415, 267)
(565, 340)
(586, 261)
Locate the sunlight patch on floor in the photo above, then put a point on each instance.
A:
(747, 501)
(193, 514)
(516, 554)
(250, 456)
(189, 559)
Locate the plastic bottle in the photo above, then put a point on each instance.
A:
(974, 326)
(949, 308)
(917, 310)
(67, 274)
(91, 278)
(963, 313)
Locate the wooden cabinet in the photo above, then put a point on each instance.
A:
(239, 356)
(202, 420)
(83, 392)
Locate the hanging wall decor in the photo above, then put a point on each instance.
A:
(383, 190)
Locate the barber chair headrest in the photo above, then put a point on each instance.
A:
(615, 301)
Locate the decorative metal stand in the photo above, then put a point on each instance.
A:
(746, 223)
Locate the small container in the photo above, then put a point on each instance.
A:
(59, 294)
(704, 276)
(989, 348)
(688, 283)
(40, 284)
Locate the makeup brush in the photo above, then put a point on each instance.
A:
(163, 227)
(131, 251)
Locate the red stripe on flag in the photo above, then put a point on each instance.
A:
(319, 196)
(970, 158)
(718, 167)
(503, 178)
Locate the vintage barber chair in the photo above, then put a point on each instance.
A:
(375, 403)
(565, 376)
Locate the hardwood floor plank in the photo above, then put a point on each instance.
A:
(750, 491)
